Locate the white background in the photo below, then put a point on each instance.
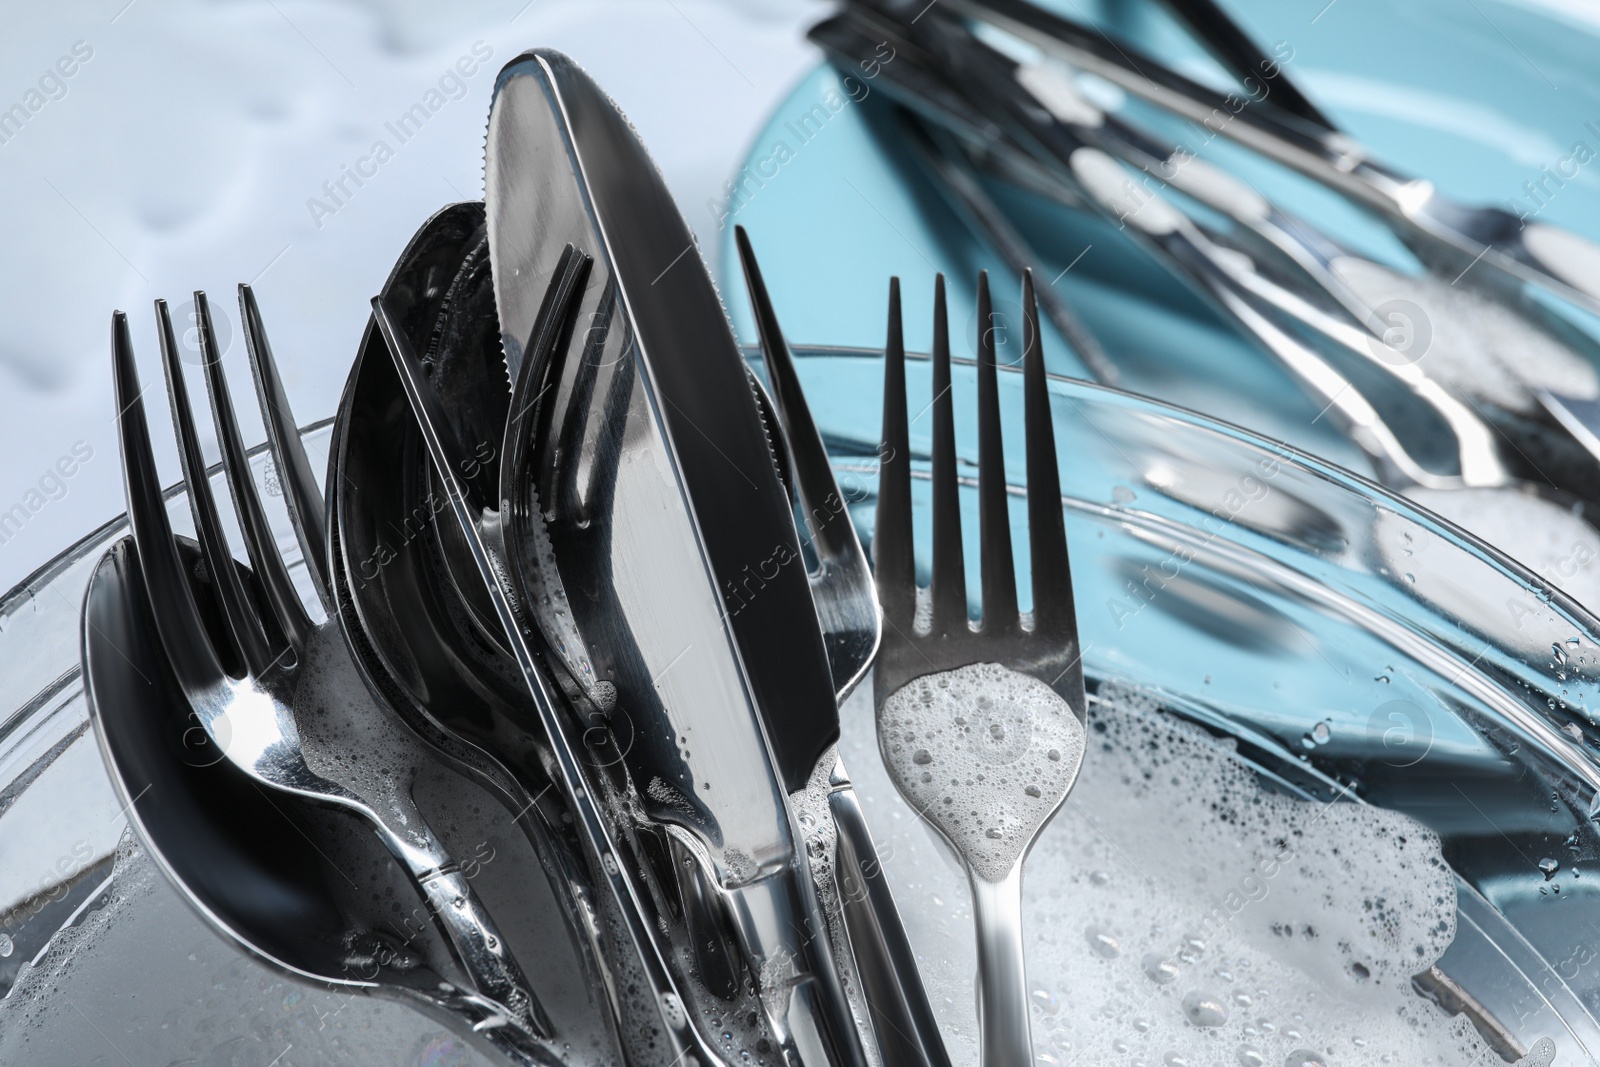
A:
(182, 154)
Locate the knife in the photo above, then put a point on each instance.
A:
(644, 463)
(886, 965)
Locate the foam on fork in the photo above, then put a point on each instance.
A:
(1179, 913)
(986, 754)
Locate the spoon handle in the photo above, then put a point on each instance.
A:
(1004, 1037)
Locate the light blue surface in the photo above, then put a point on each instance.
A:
(1476, 97)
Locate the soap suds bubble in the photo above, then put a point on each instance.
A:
(1250, 927)
(348, 738)
(1541, 1054)
(1476, 345)
(1543, 536)
(985, 753)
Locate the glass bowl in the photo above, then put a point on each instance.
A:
(1353, 645)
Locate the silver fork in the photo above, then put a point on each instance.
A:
(273, 689)
(982, 728)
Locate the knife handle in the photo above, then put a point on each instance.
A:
(907, 1033)
(781, 927)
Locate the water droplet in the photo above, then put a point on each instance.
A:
(1320, 734)
(1172, 1059)
(1204, 1010)
(922, 757)
(1159, 968)
(1104, 945)
(672, 1010)
(1249, 1056)
(1303, 1057)
(6, 947)
(1045, 1001)
(1100, 877)
(1548, 867)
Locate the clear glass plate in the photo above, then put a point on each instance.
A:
(1247, 587)
(101, 960)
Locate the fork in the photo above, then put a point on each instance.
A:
(273, 689)
(982, 728)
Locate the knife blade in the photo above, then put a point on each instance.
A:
(886, 965)
(646, 466)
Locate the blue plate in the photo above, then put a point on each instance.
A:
(1477, 98)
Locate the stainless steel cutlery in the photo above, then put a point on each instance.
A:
(1443, 231)
(578, 547)
(645, 487)
(982, 726)
(1483, 250)
(403, 597)
(847, 611)
(967, 103)
(1043, 126)
(273, 691)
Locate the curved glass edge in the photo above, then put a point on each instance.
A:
(39, 615)
(1313, 542)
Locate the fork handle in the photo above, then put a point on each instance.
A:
(1004, 1035)
(480, 948)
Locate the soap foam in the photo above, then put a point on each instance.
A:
(986, 754)
(1477, 345)
(1178, 913)
(347, 738)
(1543, 536)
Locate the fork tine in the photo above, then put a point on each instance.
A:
(994, 517)
(287, 610)
(949, 586)
(834, 542)
(300, 492)
(893, 547)
(1053, 607)
(183, 633)
(238, 612)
